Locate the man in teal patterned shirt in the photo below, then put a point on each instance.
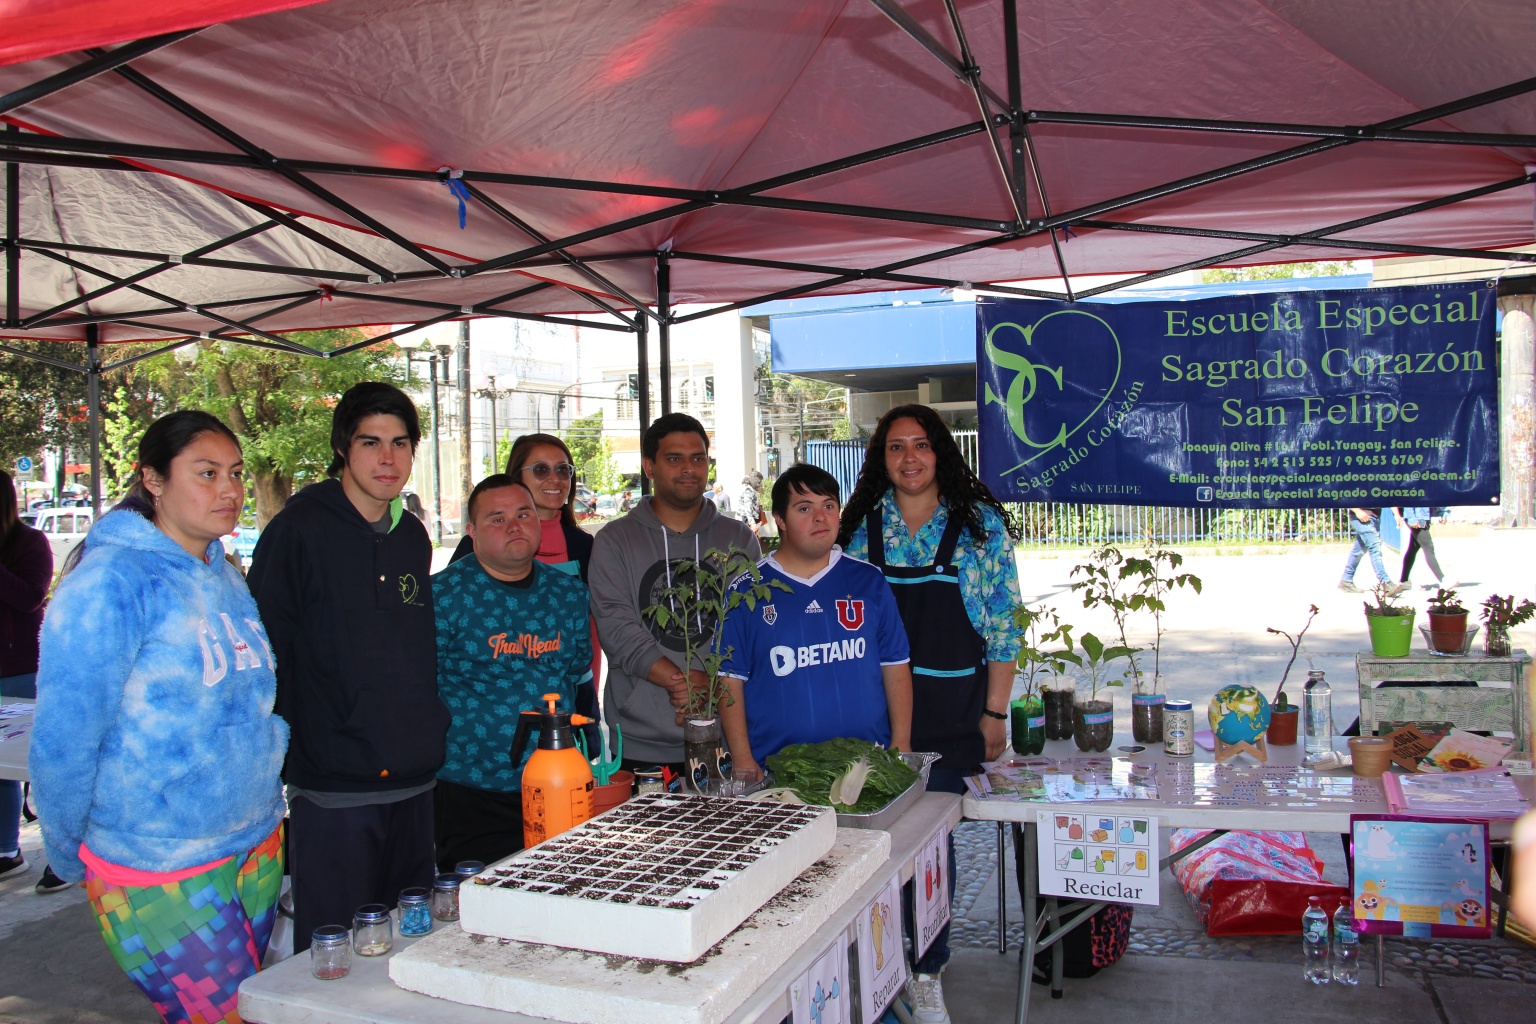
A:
(509, 629)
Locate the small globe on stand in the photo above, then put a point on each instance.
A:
(1239, 716)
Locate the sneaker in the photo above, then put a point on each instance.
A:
(1348, 586)
(1446, 585)
(925, 995)
(1398, 588)
(51, 882)
(12, 864)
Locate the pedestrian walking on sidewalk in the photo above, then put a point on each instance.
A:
(156, 757)
(1417, 522)
(1365, 524)
(26, 569)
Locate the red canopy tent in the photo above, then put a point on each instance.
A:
(303, 167)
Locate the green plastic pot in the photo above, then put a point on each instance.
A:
(1391, 635)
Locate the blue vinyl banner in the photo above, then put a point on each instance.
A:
(1319, 399)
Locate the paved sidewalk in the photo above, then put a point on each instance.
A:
(54, 968)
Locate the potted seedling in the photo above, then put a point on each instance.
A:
(1500, 614)
(1152, 586)
(1093, 717)
(1283, 715)
(1447, 622)
(1391, 625)
(694, 607)
(1044, 710)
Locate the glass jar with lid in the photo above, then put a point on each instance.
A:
(445, 898)
(415, 911)
(330, 952)
(372, 933)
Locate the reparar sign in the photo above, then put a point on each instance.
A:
(1287, 400)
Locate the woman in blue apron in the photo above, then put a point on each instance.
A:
(922, 516)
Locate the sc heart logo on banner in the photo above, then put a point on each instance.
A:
(1061, 360)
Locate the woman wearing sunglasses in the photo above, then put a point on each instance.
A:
(543, 462)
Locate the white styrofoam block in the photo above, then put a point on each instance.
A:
(661, 876)
(596, 988)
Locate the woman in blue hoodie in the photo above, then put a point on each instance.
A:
(155, 753)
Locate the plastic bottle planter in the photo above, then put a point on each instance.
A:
(1391, 635)
(1147, 717)
(704, 751)
(1057, 696)
(1028, 724)
(1093, 722)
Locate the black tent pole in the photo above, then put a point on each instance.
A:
(93, 409)
(664, 329)
(12, 232)
(643, 388)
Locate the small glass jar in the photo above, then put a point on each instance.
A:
(467, 869)
(415, 911)
(330, 952)
(445, 898)
(372, 934)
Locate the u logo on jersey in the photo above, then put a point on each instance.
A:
(850, 614)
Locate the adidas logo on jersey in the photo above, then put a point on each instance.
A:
(813, 607)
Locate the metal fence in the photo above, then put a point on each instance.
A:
(1049, 524)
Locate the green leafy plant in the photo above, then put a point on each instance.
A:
(1445, 602)
(1503, 613)
(1098, 657)
(1384, 607)
(1043, 630)
(821, 773)
(698, 601)
(1127, 586)
(1152, 586)
(1282, 702)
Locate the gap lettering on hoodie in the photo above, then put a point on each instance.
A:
(216, 662)
(528, 645)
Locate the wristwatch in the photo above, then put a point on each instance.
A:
(994, 714)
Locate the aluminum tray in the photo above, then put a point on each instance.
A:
(879, 819)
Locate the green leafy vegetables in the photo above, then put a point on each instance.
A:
(869, 775)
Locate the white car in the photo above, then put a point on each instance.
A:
(66, 528)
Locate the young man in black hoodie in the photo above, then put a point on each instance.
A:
(340, 576)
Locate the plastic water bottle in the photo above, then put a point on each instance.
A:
(1314, 942)
(1317, 712)
(1346, 946)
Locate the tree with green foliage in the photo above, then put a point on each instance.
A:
(1279, 271)
(592, 453)
(44, 405)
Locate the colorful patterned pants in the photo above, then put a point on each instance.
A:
(188, 945)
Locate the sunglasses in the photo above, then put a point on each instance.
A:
(541, 470)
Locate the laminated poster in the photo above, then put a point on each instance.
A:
(822, 995)
(882, 960)
(1086, 855)
(930, 888)
(1421, 877)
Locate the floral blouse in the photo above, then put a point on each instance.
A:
(989, 578)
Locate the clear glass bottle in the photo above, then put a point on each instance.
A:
(330, 952)
(415, 911)
(1314, 942)
(1346, 946)
(445, 898)
(1317, 713)
(372, 933)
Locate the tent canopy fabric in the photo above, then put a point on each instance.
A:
(303, 167)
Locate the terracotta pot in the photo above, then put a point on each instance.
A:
(1369, 756)
(1447, 632)
(1282, 726)
(620, 787)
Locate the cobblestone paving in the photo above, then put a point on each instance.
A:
(975, 927)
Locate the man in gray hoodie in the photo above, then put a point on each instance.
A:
(633, 560)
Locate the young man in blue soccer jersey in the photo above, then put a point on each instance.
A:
(509, 630)
(827, 659)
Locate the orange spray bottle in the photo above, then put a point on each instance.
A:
(557, 780)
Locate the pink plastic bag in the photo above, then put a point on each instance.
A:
(1252, 883)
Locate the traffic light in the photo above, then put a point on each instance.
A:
(709, 388)
(634, 386)
(767, 437)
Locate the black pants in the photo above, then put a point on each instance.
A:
(475, 824)
(1418, 537)
(346, 856)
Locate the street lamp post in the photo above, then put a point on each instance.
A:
(437, 455)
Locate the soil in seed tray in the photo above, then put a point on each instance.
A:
(622, 897)
(647, 901)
